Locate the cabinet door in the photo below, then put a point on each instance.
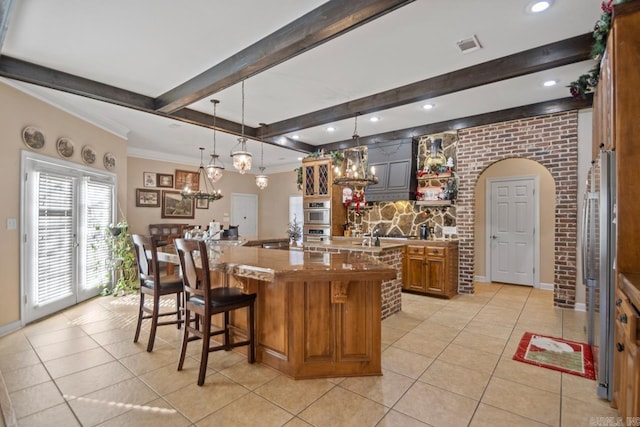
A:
(415, 273)
(435, 270)
(309, 180)
(317, 178)
(630, 394)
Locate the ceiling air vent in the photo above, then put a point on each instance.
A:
(469, 45)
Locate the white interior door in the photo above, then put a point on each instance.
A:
(244, 214)
(65, 212)
(511, 236)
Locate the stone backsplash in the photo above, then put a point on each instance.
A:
(403, 217)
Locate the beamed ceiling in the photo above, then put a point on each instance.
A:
(147, 69)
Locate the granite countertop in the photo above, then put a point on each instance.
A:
(386, 243)
(268, 264)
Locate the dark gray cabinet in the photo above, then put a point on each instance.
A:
(395, 166)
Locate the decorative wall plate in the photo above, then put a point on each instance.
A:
(65, 147)
(33, 137)
(109, 161)
(88, 155)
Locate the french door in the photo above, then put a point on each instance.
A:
(65, 210)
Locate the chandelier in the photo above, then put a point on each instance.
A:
(203, 188)
(214, 170)
(262, 180)
(353, 170)
(242, 158)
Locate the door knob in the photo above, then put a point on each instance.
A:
(494, 237)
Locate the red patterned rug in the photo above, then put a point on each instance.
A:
(556, 353)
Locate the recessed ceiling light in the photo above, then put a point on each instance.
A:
(538, 6)
(283, 140)
(330, 129)
(428, 106)
(550, 83)
(295, 137)
(374, 119)
(300, 158)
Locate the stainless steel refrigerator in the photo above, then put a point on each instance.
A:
(598, 265)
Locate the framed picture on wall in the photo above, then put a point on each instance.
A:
(147, 198)
(187, 178)
(173, 206)
(202, 204)
(149, 179)
(165, 180)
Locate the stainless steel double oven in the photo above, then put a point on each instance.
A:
(317, 220)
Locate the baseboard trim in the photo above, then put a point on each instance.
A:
(10, 327)
(580, 306)
(483, 279)
(546, 286)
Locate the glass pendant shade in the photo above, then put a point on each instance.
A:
(214, 170)
(242, 158)
(354, 171)
(262, 180)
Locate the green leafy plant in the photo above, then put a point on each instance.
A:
(587, 83)
(121, 266)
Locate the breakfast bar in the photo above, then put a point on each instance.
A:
(317, 314)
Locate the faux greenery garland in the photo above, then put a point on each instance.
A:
(587, 83)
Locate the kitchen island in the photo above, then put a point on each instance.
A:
(317, 314)
(389, 252)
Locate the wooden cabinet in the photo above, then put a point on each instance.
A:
(317, 178)
(436, 269)
(626, 378)
(431, 268)
(616, 127)
(317, 184)
(413, 269)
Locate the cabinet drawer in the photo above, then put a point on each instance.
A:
(415, 250)
(627, 317)
(436, 251)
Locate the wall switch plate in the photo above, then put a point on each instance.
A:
(12, 223)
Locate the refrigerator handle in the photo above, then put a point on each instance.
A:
(583, 232)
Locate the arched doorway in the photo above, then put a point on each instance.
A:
(508, 169)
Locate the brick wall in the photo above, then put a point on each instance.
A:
(550, 140)
(391, 289)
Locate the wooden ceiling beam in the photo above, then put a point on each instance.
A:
(17, 69)
(533, 60)
(6, 7)
(322, 24)
(531, 110)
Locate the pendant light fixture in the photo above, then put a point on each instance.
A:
(354, 171)
(214, 170)
(203, 188)
(242, 158)
(262, 180)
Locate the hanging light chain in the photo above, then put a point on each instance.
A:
(215, 105)
(242, 129)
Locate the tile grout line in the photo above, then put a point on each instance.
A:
(6, 406)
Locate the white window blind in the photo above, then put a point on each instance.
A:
(98, 198)
(55, 238)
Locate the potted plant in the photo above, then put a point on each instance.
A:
(294, 231)
(121, 266)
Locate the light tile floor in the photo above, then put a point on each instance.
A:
(445, 363)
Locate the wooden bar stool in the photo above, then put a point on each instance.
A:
(155, 285)
(205, 301)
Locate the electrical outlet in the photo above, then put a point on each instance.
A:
(12, 223)
(449, 230)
